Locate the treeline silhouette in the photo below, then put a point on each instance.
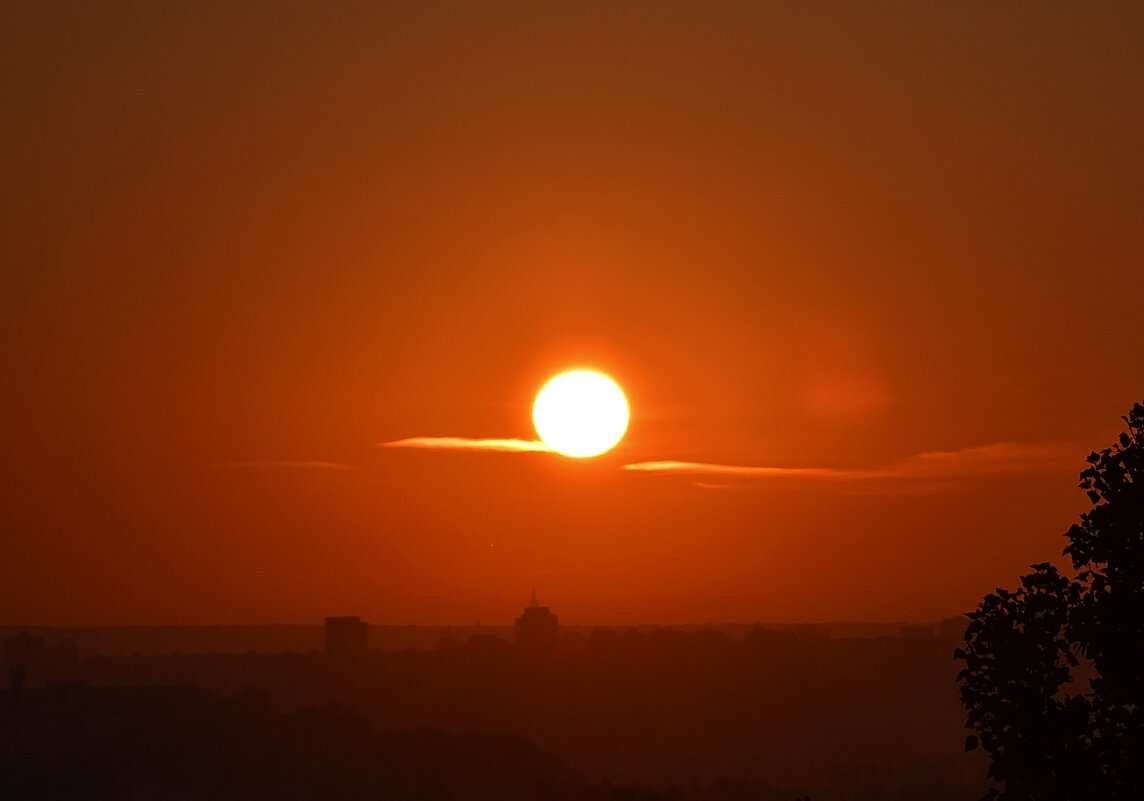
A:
(859, 719)
(75, 742)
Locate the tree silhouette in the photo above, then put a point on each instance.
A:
(1024, 646)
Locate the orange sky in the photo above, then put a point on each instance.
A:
(896, 243)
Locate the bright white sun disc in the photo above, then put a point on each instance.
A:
(580, 414)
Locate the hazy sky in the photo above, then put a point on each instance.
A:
(244, 244)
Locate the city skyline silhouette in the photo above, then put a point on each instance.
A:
(571, 401)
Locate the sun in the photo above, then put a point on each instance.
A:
(580, 414)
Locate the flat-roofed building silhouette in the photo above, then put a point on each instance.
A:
(346, 636)
(537, 629)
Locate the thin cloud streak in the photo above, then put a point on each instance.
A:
(708, 469)
(711, 486)
(1000, 457)
(470, 444)
(292, 465)
(986, 460)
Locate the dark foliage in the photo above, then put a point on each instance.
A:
(72, 742)
(1025, 647)
(860, 719)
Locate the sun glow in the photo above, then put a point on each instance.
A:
(580, 414)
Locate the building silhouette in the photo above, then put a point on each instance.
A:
(32, 661)
(346, 636)
(537, 628)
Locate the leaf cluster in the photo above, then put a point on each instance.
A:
(1047, 737)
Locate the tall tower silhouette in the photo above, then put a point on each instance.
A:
(537, 629)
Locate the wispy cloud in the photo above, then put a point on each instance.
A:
(712, 486)
(292, 465)
(470, 444)
(709, 469)
(928, 472)
(986, 460)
